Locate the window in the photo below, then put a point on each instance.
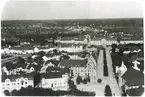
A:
(51, 85)
(7, 84)
(7, 80)
(22, 82)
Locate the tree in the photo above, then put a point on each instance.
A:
(21, 60)
(66, 57)
(118, 39)
(105, 62)
(37, 79)
(7, 93)
(79, 79)
(105, 70)
(88, 78)
(85, 81)
(99, 80)
(14, 93)
(72, 86)
(41, 53)
(108, 91)
(66, 69)
(71, 74)
(114, 46)
(55, 51)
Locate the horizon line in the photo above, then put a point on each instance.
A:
(73, 19)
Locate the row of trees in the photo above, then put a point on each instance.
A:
(105, 63)
(74, 91)
(84, 81)
(118, 57)
(108, 91)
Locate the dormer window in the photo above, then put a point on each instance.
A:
(25, 82)
(7, 80)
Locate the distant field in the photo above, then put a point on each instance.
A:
(130, 26)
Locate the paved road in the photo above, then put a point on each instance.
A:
(100, 65)
(99, 88)
(112, 81)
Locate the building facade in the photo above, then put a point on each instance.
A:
(17, 82)
(81, 67)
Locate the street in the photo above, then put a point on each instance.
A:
(110, 80)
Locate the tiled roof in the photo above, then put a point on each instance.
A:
(77, 38)
(73, 63)
(133, 77)
(22, 48)
(136, 92)
(51, 75)
(69, 44)
(14, 77)
(127, 39)
(100, 38)
(50, 54)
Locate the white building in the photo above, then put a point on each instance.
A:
(54, 80)
(100, 41)
(127, 41)
(16, 82)
(120, 71)
(133, 79)
(81, 67)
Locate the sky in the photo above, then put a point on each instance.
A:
(47, 10)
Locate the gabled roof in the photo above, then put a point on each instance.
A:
(22, 48)
(73, 63)
(14, 77)
(136, 92)
(133, 77)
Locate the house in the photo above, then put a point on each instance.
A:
(70, 47)
(137, 92)
(101, 41)
(120, 71)
(45, 66)
(133, 79)
(135, 65)
(56, 80)
(16, 82)
(80, 67)
(75, 57)
(134, 41)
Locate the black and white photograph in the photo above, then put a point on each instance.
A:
(72, 48)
